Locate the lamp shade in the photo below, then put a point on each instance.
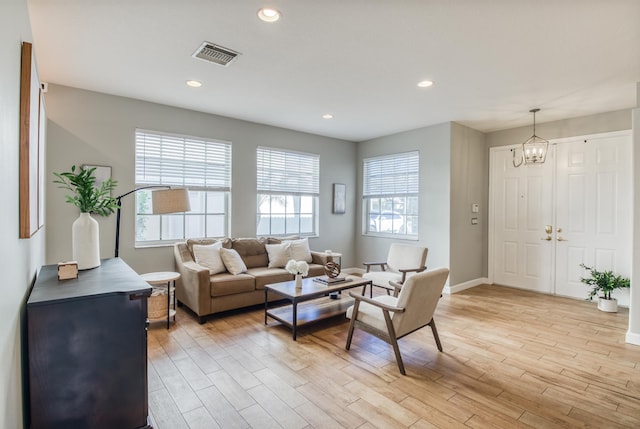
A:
(170, 201)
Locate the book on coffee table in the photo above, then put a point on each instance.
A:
(330, 281)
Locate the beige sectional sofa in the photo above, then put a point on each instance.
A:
(206, 291)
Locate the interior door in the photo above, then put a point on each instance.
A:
(593, 206)
(522, 206)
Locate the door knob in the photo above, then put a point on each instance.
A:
(559, 229)
(548, 229)
(561, 239)
(547, 238)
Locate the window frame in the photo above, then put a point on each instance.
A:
(191, 163)
(394, 179)
(292, 170)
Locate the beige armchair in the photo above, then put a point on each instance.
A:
(402, 259)
(391, 318)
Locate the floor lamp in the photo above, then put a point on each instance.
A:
(167, 200)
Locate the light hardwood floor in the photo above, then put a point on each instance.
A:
(511, 359)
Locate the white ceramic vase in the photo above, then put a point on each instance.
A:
(298, 281)
(85, 242)
(608, 305)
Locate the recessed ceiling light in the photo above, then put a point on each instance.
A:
(268, 14)
(327, 116)
(425, 84)
(194, 83)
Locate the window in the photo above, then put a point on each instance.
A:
(288, 189)
(390, 195)
(203, 166)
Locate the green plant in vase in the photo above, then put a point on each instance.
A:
(89, 198)
(86, 195)
(602, 284)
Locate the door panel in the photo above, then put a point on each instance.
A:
(593, 189)
(522, 208)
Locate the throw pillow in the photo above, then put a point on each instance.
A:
(209, 257)
(232, 260)
(299, 250)
(202, 241)
(278, 254)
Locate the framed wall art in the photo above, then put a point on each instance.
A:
(339, 198)
(32, 142)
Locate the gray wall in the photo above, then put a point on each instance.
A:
(433, 143)
(92, 128)
(19, 259)
(469, 185)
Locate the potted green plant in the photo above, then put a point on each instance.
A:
(602, 284)
(89, 198)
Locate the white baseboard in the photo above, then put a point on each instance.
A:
(466, 285)
(633, 338)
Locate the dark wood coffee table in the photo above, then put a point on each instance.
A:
(320, 305)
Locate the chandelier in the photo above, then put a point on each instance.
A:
(534, 150)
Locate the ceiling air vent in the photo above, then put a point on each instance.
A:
(215, 54)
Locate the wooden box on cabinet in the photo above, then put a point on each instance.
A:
(87, 349)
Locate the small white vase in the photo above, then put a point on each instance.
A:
(85, 242)
(298, 281)
(608, 305)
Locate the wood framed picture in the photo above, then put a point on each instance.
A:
(33, 120)
(339, 198)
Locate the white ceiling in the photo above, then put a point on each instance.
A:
(491, 60)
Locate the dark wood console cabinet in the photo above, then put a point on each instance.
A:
(87, 349)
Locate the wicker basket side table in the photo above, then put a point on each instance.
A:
(165, 280)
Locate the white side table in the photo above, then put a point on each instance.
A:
(165, 278)
(335, 255)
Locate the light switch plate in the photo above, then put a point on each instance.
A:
(475, 208)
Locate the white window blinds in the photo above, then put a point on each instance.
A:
(287, 172)
(168, 159)
(391, 175)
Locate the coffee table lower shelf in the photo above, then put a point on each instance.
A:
(311, 311)
(310, 301)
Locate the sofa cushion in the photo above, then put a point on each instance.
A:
(252, 251)
(209, 256)
(299, 250)
(232, 261)
(315, 270)
(264, 276)
(229, 284)
(278, 254)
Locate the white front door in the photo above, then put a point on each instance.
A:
(593, 206)
(581, 195)
(522, 207)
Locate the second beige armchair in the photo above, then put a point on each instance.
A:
(402, 260)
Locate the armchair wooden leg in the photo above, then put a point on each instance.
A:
(352, 324)
(394, 342)
(435, 334)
